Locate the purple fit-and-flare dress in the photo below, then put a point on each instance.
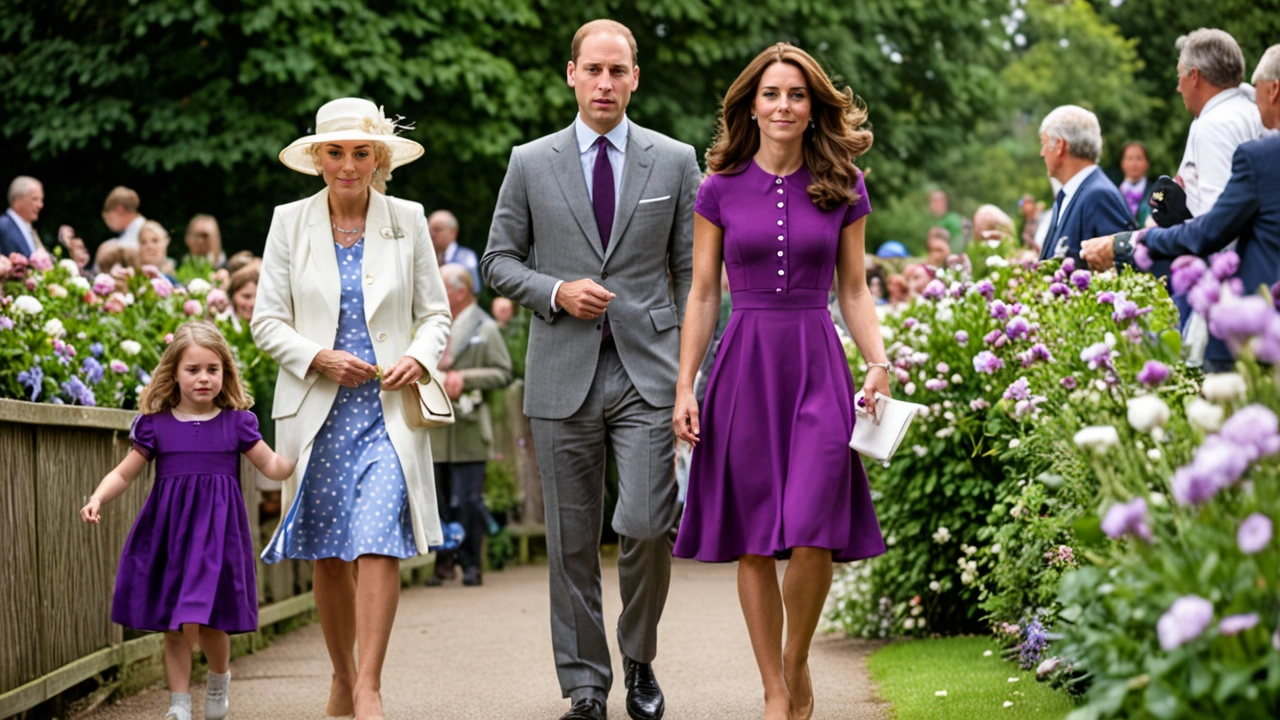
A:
(189, 557)
(773, 469)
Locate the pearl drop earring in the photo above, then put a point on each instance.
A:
(753, 116)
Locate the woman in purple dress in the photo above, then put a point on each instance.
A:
(772, 473)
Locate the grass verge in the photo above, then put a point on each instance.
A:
(911, 674)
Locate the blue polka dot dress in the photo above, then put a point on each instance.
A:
(353, 499)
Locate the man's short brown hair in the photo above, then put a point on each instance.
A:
(121, 197)
(604, 26)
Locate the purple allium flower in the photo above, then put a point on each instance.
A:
(1059, 289)
(992, 336)
(79, 392)
(957, 290)
(1126, 309)
(1142, 256)
(1153, 373)
(1019, 390)
(6, 323)
(961, 337)
(935, 384)
(1205, 294)
(1068, 265)
(1224, 264)
(1016, 309)
(1098, 355)
(910, 323)
(985, 289)
(1236, 624)
(1266, 347)
(1275, 295)
(979, 405)
(118, 366)
(1030, 406)
(1127, 519)
(1184, 621)
(1035, 353)
(1186, 272)
(96, 349)
(1254, 534)
(1255, 430)
(1069, 382)
(1034, 641)
(92, 370)
(935, 290)
(1081, 279)
(1017, 328)
(999, 310)
(1217, 464)
(1106, 297)
(987, 362)
(32, 380)
(1236, 319)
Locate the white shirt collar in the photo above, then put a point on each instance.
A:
(1072, 185)
(587, 137)
(1221, 98)
(450, 251)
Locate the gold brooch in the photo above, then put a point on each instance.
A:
(385, 233)
(1158, 196)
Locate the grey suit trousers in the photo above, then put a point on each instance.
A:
(571, 458)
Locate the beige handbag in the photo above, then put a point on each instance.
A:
(426, 404)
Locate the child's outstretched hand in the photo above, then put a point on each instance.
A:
(89, 513)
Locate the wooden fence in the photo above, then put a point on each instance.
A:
(57, 574)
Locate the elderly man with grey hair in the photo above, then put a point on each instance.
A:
(17, 234)
(1089, 204)
(443, 226)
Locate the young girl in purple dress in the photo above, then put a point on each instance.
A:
(187, 568)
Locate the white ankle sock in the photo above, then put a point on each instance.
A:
(182, 700)
(219, 681)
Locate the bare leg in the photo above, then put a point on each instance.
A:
(334, 585)
(762, 607)
(177, 661)
(217, 648)
(804, 591)
(377, 595)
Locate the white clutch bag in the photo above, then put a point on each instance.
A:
(879, 439)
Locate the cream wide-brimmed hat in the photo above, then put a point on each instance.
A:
(347, 119)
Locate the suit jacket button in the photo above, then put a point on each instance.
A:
(368, 279)
(604, 276)
(598, 326)
(382, 337)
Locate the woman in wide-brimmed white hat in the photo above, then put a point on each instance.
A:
(351, 305)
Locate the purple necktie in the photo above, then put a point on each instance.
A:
(602, 199)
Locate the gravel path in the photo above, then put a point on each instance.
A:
(462, 653)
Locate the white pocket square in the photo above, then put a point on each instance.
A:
(654, 200)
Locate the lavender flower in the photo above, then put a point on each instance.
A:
(1236, 319)
(1034, 642)
(1186, 272)
(909, 323)
(1126, 310)
(1081, 279)
(1153, 373)
(1266, 347)
(1127, 519)
(1019, 390)
(1069, 382)
(92, 370)
(1029, 406)
(935, 290)
(1106, 297)
(1017, 328)
(961, 337)
(1217, 464)
(1224, 264)
(935, 384)
(1035, 353)
(1184, 621)
(1204, 295)
(79, 392)
(999, 310)
(985, 289)
(1254, 534)
(1255, 430)
(1098, 355)
(32, 380)
(1059, 290)
(1142, 256)
(1236, 624)
(979, 405)
(987, 362)
(1068, 265)
(6, 323)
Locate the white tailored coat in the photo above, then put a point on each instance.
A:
(296, 316)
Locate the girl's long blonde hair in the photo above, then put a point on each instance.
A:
(163, 393)
(838, 137)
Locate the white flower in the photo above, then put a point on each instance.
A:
(54, 328)
(130, 347)
(1109, 339)
(995, 549)
(1008, 703)
(1158, 500)
(915, 611)
(1204, 415)
(1013, 679)
(1098, 438)
(886, 333)
(920, 450)
(956, 379)
(941, 535)
(80, 283)
(940, 693)
(1153, 454)
(909, 388)
(934, 586)
(995, 261)
(27, 304)
(1223, 387)
(909, 623)
(70, 266)
(1014, 443)
(966, 577)
(1147, 412)
(198, 287)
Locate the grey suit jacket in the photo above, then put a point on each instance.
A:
(480, 355)
(544, 230)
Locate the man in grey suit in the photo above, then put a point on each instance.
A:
(593, 232)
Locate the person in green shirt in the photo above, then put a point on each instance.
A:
(948, 219)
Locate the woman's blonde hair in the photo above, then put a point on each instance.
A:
(152, 226)
(835, 140)
(381, 155)
(163, 393)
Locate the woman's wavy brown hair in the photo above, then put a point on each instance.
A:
(830, 146)
(163, 392)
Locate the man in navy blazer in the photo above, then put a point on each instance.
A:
(1248, 209)
(1089, 204)
(26, 198)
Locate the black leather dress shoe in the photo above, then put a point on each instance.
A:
(586, 710)
(644, 697)
(472, 577)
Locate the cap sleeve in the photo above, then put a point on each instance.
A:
(247, 430)
(708, 203)
(860, 209)
(143, 435)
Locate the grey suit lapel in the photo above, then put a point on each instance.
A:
(568, 171)
(635, 174)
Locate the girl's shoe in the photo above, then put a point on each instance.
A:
(177, 713)
(216, 700)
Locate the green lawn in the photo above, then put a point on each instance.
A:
(910, 675)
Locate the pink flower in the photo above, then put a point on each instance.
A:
(162, 286)
(40, 260)
(1236, 624)
(118, 366)
(217, 300)
(5, 267)
(18, 266)
(192, 307)
(114, 304)
(168, 339)
(151, 271)
(104, 285)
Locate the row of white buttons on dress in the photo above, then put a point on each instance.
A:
(781, 236)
